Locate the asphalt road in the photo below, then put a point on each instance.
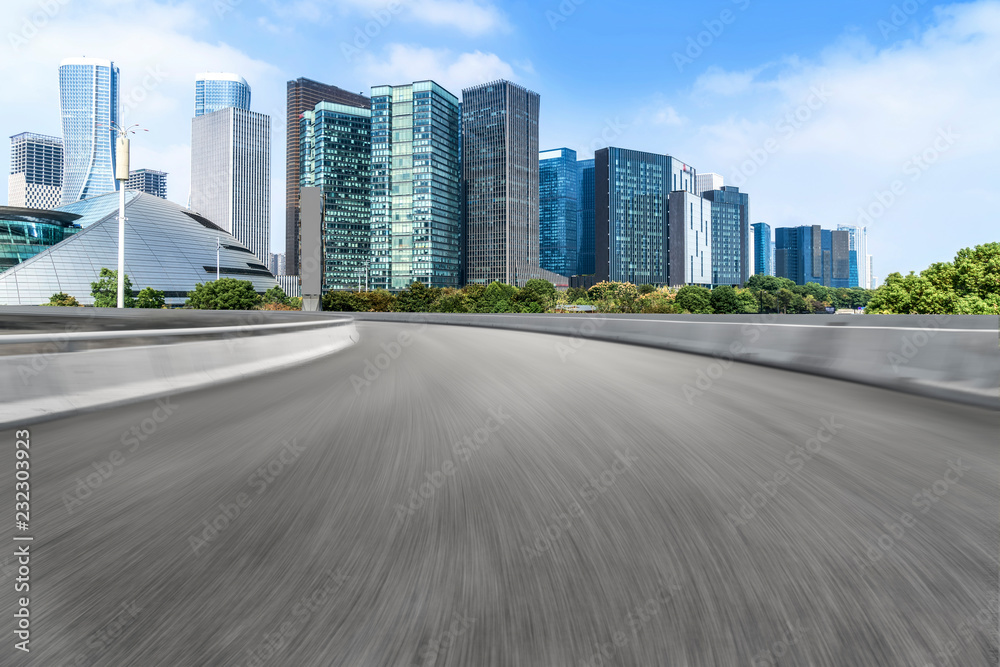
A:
(487, 498)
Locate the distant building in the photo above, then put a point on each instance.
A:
(500, 174)
(585, 226)
(220, 90)
(88, 99)
(810, 254)
(416, 188)
(690, 233)
(872, 280)
(231, 174)
(303, 95)
(706, 182)
(150, 181)
(167, 247)
(730, 235)
(36, 171)
(762, 249)
(631, 220)
(858, 255)
(336, 157)
(558, 211)
(277, 264)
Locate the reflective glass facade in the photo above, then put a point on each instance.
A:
(730, 235)
(167, 247)
(810, 254)
(631, 221)
(416, 187)
(220, 91)
(24, 234)
(303, 95)
(500, 173)
(763, 255)
(585, 224)
(558, 211)
(88, 95)
(336, 157)
(858, 254)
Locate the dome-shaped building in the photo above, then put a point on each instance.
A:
(167, 247)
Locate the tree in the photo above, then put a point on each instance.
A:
(451, 301)
(574, 294)
(105, 290)
(497, 298)
(762, 282)
(417, 298)
(375, 301)
(724, 301)
(340, 301)
(695, 300)
(646, 289)
(276, 295)
(62, 299)
(537, 296)
(748, 301)
(223, 294)
(150, 298)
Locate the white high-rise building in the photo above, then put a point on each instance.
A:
(706, 182)
(88, 98)
(36, 171)
(872, 280)
(231, 174)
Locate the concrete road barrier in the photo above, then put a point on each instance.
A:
(100, 359)
(951, 357)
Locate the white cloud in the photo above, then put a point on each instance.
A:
(404, 64)
(470, 17)
(815, 141)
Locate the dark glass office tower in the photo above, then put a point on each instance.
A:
(585, 225)
(730, 235)
(416, 187)
(500, 170)
(631, 213)
(558, 210)
(304, 95)
(809, 254)
(336, 157)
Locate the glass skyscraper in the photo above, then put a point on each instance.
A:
(500, 172)
(416, 187)
(730, 235)
(231, 172)
(88, 98)
(558, 211)
(763, 257)
(858, 255)
(220, 90)
(810, 254)
(336, 157)
(631, 219)
(303, 95)
(585, 224)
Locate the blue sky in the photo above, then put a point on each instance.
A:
(831, 113)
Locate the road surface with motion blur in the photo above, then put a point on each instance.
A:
(485, 498)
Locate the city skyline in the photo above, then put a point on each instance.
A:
(699, 123)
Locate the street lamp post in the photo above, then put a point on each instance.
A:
(218, 247)
(121, 175)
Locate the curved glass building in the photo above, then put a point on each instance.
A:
(88, 97)
(220, 90)
(167, 247)
(25, 232)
